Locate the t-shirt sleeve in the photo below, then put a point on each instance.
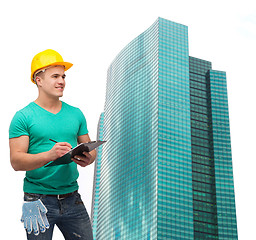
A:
(18, 126)
(83, 125)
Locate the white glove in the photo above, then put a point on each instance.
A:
(34, 214)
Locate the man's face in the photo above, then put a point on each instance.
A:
(52, 83)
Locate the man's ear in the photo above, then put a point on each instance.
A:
(38, 81)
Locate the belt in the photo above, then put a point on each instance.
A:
(59, 196)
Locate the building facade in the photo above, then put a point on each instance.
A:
(166, 169)
(96, 182)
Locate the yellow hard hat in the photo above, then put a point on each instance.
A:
(46, 59)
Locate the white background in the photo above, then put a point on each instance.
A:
(90, 34)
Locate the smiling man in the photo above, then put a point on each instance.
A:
(50, 193)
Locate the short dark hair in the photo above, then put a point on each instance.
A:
(40, 74)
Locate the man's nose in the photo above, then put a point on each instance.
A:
(61, 80)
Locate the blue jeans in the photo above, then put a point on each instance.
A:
(68, 214)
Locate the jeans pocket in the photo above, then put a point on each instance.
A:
(79, 200)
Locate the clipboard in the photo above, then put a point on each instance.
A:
(78, 150)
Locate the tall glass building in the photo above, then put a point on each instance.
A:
(166, 169)
(96, 183)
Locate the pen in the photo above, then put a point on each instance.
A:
(57, 142)
(71, 148)
(54, 141)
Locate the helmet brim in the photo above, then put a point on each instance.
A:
(67, 65)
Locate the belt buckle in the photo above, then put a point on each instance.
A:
(60, 198)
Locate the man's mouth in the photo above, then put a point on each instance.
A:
(60, 88)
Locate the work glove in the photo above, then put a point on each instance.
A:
(34, 214)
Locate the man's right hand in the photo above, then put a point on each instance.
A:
(58, 150)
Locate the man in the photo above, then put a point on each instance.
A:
(50, 193)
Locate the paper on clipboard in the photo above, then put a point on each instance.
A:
(78, 150)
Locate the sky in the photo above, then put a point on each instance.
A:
(90, 34)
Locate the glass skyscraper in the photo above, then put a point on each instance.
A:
(96, 183)
(166, 169)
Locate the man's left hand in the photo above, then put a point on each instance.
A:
(83, 160)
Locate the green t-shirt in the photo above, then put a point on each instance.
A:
(41, 125)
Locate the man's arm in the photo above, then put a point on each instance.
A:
(23, 161)
(87, 158)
